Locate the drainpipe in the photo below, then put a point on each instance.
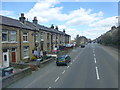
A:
(20, 44)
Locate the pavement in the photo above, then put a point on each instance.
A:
(91, 67)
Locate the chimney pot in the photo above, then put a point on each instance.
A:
(35, 20)
(22, 18)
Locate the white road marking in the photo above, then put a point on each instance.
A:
(57, 79)
(94, 55)
(97, 73)
(63, 72)
(67, 66)
(48, 88)
(95, 59)
(71, 63)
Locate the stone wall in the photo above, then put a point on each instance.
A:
(7, 80)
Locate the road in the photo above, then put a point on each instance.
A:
(91, 67)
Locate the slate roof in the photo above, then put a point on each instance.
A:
(28, 25)
(13, 22)
(32, 25)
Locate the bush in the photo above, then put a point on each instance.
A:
(33, 67)
(33, 58)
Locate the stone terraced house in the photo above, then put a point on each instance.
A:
(21, 37)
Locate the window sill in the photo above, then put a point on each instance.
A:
(5, 42)
(25, 41)
(26, 57)
(9, 42)
(12, 42)
(36, 41)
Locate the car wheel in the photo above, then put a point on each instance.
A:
(57, 64)
(66, 64)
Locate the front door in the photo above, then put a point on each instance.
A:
(13, 55)
(5, 58)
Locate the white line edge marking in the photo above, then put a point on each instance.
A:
(48, 88)
(97, 73)
(57, 79)
(63, 72)
(95, 60)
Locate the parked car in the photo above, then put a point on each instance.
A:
(83, 45)
(63, 60)
(69, 45)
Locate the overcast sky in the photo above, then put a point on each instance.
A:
(90, 19)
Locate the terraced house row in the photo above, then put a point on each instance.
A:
(21, 37)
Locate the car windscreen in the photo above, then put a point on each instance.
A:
(61, 58)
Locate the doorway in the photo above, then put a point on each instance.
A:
(5, 58)
(13, 55)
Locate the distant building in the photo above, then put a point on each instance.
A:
(81, 40)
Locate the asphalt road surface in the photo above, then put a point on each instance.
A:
(94, 66)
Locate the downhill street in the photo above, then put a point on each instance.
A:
(94, 66)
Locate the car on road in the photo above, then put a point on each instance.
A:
(82, 45)
(63, 60)
(69, 45)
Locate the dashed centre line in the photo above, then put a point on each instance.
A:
(95, 59)
(97, 73)
(94, 54)
(68, 66)
(57, 79)
(63, 72)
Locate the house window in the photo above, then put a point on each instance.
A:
(26, 52)
(47, 36)
(41, 35)
(13, 36)
(25, 37)
(4, 36)
(36, 37)
(48, 45)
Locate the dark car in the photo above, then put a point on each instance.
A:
(83, 45)
(63, 60)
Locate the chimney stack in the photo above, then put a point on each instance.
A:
(22, 18)
(64, 30)
(52, 26)
(56, 28)
(35, 21)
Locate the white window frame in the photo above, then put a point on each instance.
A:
(41, 35)
(11, 34)
(25, 36)
(5, 32)
(48, 36)
(25, 49)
